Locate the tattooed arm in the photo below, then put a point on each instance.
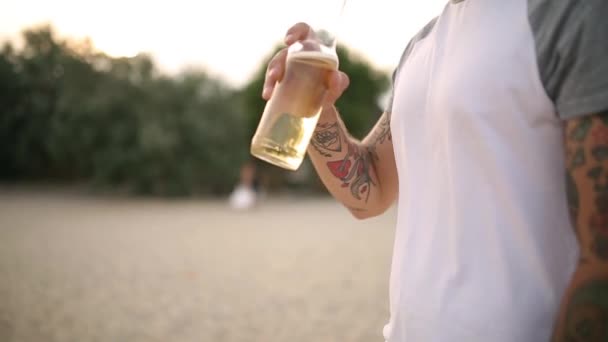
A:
(361, 175)
(584, 314)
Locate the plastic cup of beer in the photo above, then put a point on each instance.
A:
(291, 114)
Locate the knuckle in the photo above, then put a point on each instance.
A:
(300, 29)
(277, 61)
(303, 26)
(272, 64)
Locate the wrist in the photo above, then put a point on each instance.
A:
(329, 114)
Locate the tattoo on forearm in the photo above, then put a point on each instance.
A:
(382, 133)
(383, 130)
(326, 139)
(587, 313)
(354, 170)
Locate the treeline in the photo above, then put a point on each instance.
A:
(69, 113)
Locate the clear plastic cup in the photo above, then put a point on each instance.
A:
(291, 114)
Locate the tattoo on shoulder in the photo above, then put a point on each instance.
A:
(573, 198)
(581, 130)
(598, 175)
(578, 159)
(588, 158)
(598, 221)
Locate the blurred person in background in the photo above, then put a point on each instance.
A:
(495, 143)
(246, 192)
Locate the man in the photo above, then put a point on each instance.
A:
(495, 104)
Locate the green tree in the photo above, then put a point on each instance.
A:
(10, 90)
(26, 124)
(68, 112)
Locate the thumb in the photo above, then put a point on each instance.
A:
(337, 84)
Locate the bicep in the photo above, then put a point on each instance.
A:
(380, 145)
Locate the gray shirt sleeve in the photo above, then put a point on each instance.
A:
(408, 49)
(571, 38)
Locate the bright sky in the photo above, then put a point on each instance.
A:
(227, 37)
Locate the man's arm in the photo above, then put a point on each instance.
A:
(584, 313)
(361, 175)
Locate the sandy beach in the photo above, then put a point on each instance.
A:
(83, 269)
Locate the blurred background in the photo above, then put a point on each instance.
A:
(124, 131)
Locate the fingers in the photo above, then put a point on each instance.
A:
(336, 85)
(276, 67)
(274, 73)
(299, 31)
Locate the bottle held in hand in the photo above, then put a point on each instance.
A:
(291, 114)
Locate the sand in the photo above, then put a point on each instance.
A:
(81, 268)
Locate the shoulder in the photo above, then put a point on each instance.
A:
(423, 33)
(570, 38)
(548, 17)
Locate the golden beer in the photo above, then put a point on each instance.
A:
(291, 114)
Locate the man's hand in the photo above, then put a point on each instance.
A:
(337, 81)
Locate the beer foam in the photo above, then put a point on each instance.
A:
(316, 57)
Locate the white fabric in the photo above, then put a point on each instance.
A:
(242, 198)
(484, 248)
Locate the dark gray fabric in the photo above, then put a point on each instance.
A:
(571, 38)
(408, 49)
